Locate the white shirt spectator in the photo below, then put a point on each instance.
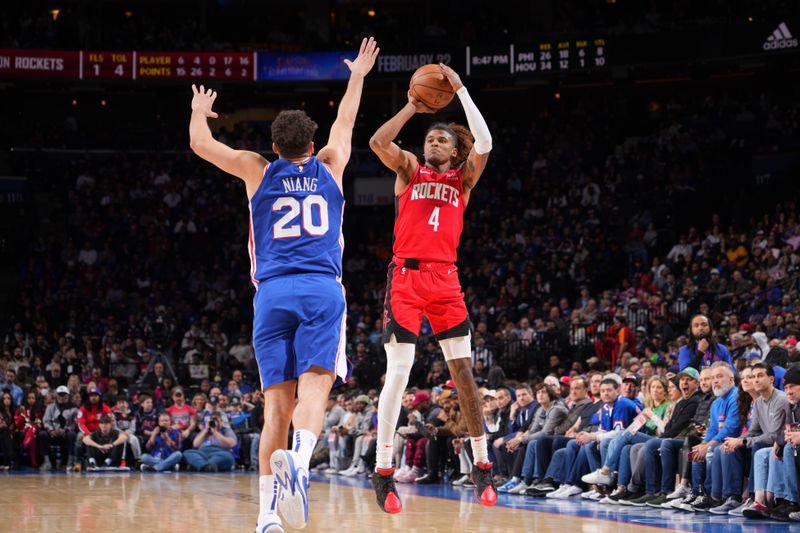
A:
(172, 199)
(184, 226)
(680, 250)
(87, 256)
(161, 179)
(242, 352)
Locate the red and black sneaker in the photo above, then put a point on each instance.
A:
(385, 491)
(484, 484)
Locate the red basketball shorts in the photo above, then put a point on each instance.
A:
(416, 288)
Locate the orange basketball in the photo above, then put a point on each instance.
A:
(429, 86)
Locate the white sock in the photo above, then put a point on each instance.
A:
(304, 442)
(399, 358)
(479, 451)
(267, 492)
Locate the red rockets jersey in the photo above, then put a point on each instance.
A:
(430, 216)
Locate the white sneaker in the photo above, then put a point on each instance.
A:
(588, 495)
(330, 471)
(519, 488)
(350, 472)
(681, 491)
(460, 481)
(597, 496)
(269, 523)
(292, 478)
(556, 493)
(597, 478)
(569, 492)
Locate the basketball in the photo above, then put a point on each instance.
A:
(429, 86)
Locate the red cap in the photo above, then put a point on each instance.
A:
(565, 380)
(420, 397)
(791, 341)
(450, 384)
(744, 327)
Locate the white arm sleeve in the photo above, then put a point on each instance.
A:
(477, 125)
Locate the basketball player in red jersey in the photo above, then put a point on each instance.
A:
(431, 199)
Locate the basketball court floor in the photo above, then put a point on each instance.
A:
(228, 503)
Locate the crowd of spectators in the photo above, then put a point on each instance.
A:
(234, 26)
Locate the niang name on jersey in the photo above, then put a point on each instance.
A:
(299, 184)
(435, 191)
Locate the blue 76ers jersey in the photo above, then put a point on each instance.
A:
(296, 222)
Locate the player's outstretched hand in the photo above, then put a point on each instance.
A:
(203, 100)
(419, 106)
(362, 64)
(452, 76)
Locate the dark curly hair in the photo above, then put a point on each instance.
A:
(292, 132)
(462, 136)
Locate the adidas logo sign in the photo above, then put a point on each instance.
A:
(781, 38)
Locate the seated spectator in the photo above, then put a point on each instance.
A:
(11, 386)
(89, 420)
(521, 417)
(146, 417)
(184, 416)
(339, 436)
(163, 447)
(775, 469)
(766, 425)
(105, 446)
(416, 435)
(238, 377)
(125, 420)
(28, 423)
(212, 446)
(616, 414)
(362, 433)
(724, 422)
(649, 423)
(8, 453)
(550, 414)
(60, 429)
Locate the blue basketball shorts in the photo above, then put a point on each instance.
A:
(299, 322)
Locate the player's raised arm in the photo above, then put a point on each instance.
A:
(479, 155)
(337, 152)
(382, 142)
(249, 166)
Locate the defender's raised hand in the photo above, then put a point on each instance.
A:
(362, 64)
(203, 100)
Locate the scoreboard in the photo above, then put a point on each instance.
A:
(561, 55)
(542, 58)
(128, 65)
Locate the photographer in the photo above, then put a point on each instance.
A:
(213, 446)
(163, 447)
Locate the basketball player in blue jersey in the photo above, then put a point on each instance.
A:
(295, 245)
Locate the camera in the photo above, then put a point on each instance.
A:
(212, 424)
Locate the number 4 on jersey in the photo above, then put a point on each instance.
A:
(434, 220)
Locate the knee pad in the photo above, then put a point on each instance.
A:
(457, 347)
(399, 354)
